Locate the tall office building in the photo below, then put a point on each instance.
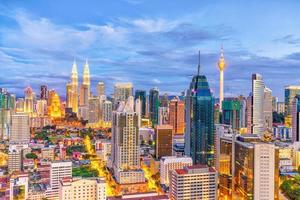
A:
(221, 65)
(41, 107)
(122, 91)
(72, 89)
(44, 92)
(176, 115)
(7, 107)
(199, 134)
(94, 110)
(107, 111)
(256, 170)
(100, 88)
(164, 100)
(69, 95)
(232, 113)
(296, 119)
(154, 105)
(257, 105)
(141, 95)
(20, 131)
(82, 188)
(85, 88)
(268, 109)
(163, 115)
(164, 140)
(58, 170)
(169, 163)
(289, 93)
(54, 109)
(194, 182)
(15, 158)
(280, 107)
(28, 106)
(125, 143)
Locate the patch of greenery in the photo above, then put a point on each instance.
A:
(84, 171)
(291, 188)
(31, 156)
(41, 136)
(71, 149)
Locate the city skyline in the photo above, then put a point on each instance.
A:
(148, 44)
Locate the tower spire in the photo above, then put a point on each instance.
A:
(199, 64)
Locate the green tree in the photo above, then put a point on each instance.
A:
(31, 156)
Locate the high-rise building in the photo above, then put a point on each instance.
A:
(256, 169)
(221, 65)
(122, 91)
(199, 134)
(176, 115)
(20, 105)
(100, 88)
(28, 106)
(268, 109)
(85, 88)
(231, 114)
(72, 89)
(7, 107)
(125, 143)
(164, 100)
(163, 115)
(58, 170)
(154, 105)
(82, 188)
(280, 107)
(20, 131)
(141, 95)
(15, 158)
(289, 93)
(69, 95)
(169, 163)
(44, 92)
(41, 107)
(107, 111)
(54, 109)
(296, 119)
(164, 140)
(257, 112)
(94, 110)
(194, 182)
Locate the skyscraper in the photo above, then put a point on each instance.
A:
(176, 115)
(268, 109)
(221, 65)
(20, 131)
(258, 88)
(73, 93)
(94, 110)
(164, 140)
(289, 93)
(122, 91)
(141, 94)
(154, 105)
(125, 143)
(231, 114)
(296, 119)
(44, 92)
(100, 88)
(199, 106)
(28, 107)
(85, 88)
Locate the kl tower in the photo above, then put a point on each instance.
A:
(221, 65)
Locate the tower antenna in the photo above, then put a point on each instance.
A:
(199, 64)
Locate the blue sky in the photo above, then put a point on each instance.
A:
(149, 42)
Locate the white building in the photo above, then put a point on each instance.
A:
(58, 171)
(194, 182)
(169, 163)
(257, 104)
(126, 144)
(107, 111)
(103, 149)
(268, 109)
(20, 131)
(82, 188)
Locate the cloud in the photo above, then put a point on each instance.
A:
(289, 39)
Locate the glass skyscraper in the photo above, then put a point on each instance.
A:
(199, 141)
(153, 105)
(141, 94)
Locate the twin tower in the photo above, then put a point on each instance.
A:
(73, 98)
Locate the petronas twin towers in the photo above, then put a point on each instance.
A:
(73, 98)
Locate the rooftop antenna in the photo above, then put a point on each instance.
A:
(199, 64)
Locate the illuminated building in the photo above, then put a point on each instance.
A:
(19, 183)
(28, 106)
(44, 92)
(41, 107)
(122, 91)
(164, 140)
(54, 110)
(107, 112)
(48, 153)
(268, 109)
(232, 114)
(224, 159)
(199, 134)
(94, 110)
(83, 96)
(154, 105)
(169, 163)
(194, 182)
(87, 78)
(39, 122)
(69, 95)
(289, 93)
(221, 65)
(82, 188)
(176, 115)
(83, 112)
(58, 170)
(125, 144)
(257, 112)
(7, 107)
(15, 158)
(163, 115)
(141, 95)
(280, 107)
(256, 170)
(20, 131)
(72, 90)
(296, 119)
(20, 104)
(100, 89)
